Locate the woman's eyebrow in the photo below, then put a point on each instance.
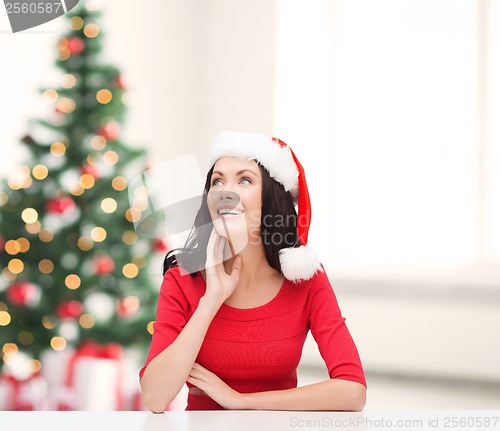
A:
(237, 173)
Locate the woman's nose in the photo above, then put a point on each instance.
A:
(221, 196)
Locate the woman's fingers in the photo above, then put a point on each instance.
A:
(215, 252)
(220, 252)
(211, 248)
(197, 366)
(197, 374)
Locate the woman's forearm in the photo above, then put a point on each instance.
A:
(333, 394)
(168, 371)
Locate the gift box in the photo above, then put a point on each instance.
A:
(87, 378)
(25, 394)
(93, 377)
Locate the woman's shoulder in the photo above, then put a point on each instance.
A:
(180, 282)
(319, 278)
(304, 289)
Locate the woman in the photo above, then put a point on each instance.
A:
(237, 302)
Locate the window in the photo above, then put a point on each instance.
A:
(391, 107)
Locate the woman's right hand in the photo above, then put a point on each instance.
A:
(220, 285)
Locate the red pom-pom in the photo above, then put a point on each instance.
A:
(23, 293)
(104, 265)
(60, 205)
(110, 130)
(76, 45)
(91, 170)
(70, 309)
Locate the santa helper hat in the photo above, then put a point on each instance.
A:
(297, 263)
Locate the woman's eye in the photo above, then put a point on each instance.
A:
(245, 181)
(216, 182)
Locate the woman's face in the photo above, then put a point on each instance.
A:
(235, 200)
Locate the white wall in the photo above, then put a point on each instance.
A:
(193, 68)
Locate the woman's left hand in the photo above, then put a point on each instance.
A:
(215, 388)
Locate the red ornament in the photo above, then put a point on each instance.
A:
(128, 306)
(91, 170)
(109, 131)
(76, 45)
(60, 205)
(69, 309)
(119, 82)
(160, 245)
(104, 265)
(23, 293)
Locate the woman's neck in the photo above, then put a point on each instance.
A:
(254, 266)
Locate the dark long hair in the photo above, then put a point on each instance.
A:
(278, 227)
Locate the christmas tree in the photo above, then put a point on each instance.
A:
(73, 268)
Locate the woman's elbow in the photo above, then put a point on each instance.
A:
(153, 403)
(358, 398)
(352, 396)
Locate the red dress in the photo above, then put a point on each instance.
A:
(258, 349)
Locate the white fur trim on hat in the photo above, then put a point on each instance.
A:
(299, 263)
(276, 159)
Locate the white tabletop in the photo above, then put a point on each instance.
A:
(251, 421)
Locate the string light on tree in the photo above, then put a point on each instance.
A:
(5, 318)
(72, 281)
(12, 247)
(40, 172)
(98, 234)
(85, 243)
(50, 96)
(98, 142)
(68, 81)
(119, 183)
(109, 205)
(75, 23)
(58, 149)
(58, 343)
(91, 30)
(104, 96)
(46, 266)
(16, 266)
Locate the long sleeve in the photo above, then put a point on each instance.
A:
(171, 315)
(331, 334)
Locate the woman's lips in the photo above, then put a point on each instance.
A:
(227, 211)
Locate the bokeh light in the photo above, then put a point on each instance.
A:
(58, 343)
(91, 30)
(130, 270)
(104, 96)
(58, 149)
(119, 183)
(109, 205)
(40, 172)
(72, 281)
(98, 234)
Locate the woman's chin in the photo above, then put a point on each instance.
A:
(219, 228)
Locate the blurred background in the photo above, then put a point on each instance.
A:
(390, 107)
